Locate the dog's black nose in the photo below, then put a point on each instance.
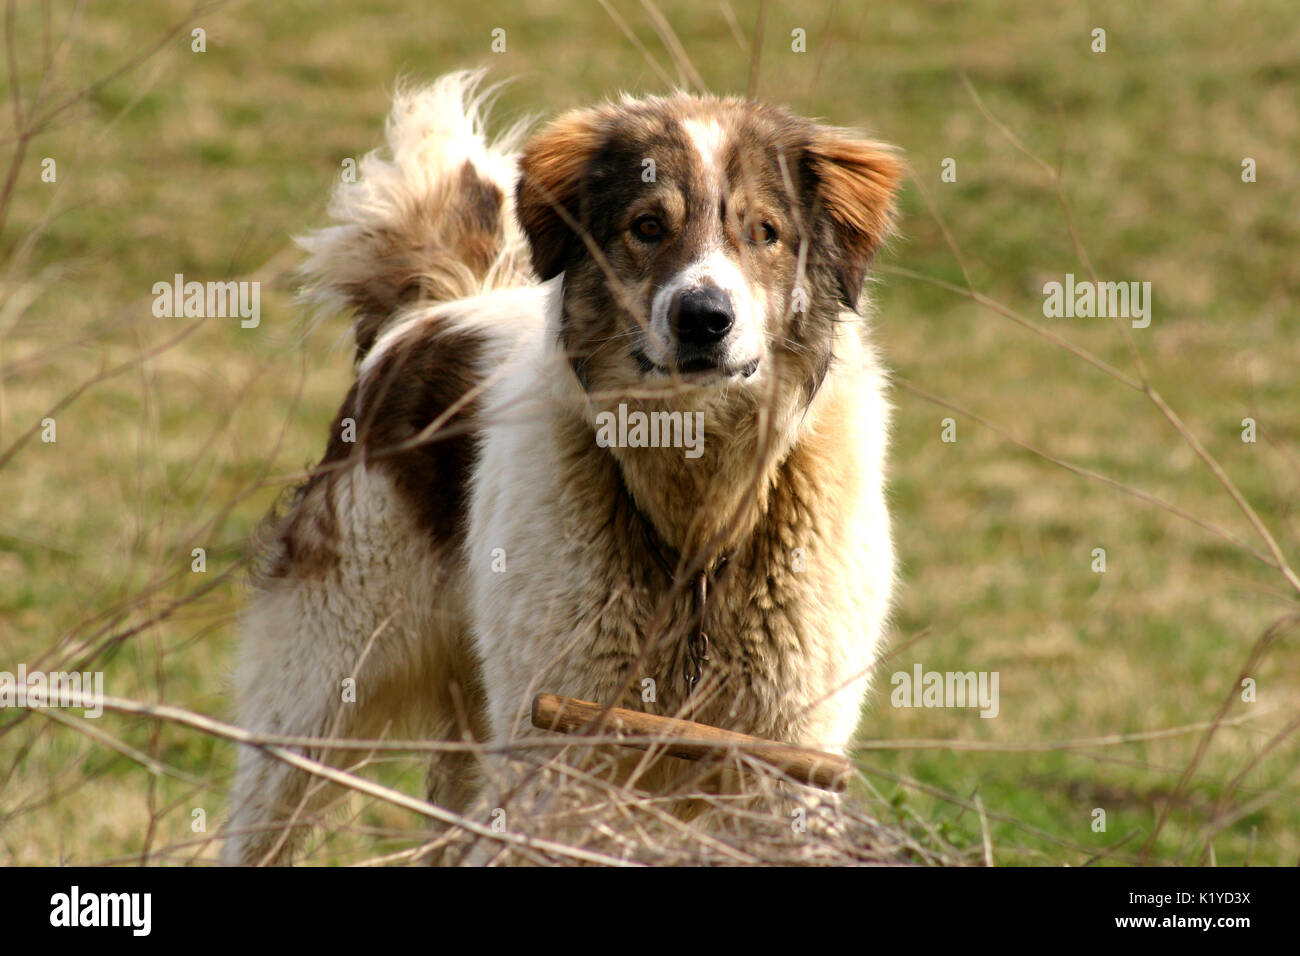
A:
(703, 316)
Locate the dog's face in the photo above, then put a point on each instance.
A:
(703, 241)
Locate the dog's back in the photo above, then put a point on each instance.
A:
(356, 625)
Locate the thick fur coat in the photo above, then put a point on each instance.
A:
(467, 542)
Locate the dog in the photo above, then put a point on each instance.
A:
(493, 516)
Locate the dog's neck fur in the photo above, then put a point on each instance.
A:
(704, 508)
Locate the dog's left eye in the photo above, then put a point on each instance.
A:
(648, 228)
(763, 232)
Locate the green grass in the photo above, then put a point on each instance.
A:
(207, 163)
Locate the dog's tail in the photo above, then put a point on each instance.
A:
(430, 219)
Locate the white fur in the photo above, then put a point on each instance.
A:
(707, 137)
(521, 619)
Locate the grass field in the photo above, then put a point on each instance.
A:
(171, 438)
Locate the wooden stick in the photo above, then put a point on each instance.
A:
(690, 740)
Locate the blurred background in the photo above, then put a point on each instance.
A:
(1119, 690)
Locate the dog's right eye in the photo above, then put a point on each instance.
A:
(648, 228)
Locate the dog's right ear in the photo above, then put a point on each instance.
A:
(548, 196)
(858, 183)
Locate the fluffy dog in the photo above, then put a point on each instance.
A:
(617, 427)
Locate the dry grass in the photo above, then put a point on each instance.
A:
(1119, 691)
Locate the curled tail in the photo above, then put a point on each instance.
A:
(429, 219)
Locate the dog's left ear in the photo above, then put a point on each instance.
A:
(548, 197)
(857, 181)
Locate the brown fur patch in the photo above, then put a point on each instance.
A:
(857, 182)
(416, 381)
(413, 384)
(551, 172)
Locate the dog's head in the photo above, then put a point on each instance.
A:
(704, 241)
